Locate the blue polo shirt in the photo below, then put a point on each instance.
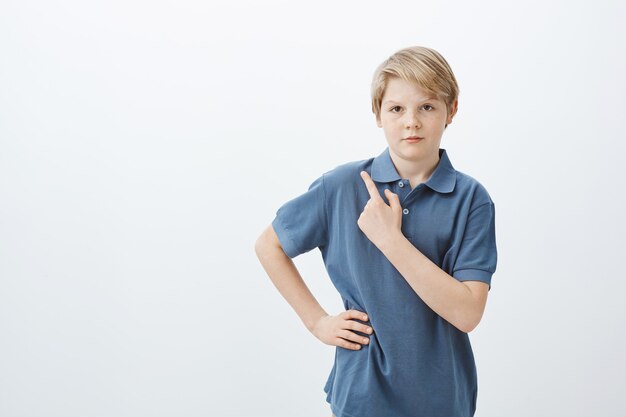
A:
(417, 364)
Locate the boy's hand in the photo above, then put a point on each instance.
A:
(337, 330)
(378, 220)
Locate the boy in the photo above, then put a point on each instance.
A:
(409, 243)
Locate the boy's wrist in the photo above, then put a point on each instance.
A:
(391, 241)
(311, 321)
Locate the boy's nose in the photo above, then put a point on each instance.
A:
(412, 121)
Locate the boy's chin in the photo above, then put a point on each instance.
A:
(415, 151)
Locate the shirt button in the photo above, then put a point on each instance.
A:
(400, 183)
(405, 211)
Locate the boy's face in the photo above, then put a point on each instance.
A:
(409, 110)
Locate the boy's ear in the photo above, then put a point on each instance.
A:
(378, 123)
(455, 107)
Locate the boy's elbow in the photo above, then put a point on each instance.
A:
(468, 329)
(470, 326)
(464, 328)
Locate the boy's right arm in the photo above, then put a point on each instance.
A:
(287, 279)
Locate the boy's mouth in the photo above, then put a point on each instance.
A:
(413, 139)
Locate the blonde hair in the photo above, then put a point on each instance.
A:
(421, 65)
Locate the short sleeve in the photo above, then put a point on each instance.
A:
(478, 255)
(300, 223)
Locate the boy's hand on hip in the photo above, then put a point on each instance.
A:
(339, 330)
(378, 220)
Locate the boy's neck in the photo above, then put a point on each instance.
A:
(416, 172)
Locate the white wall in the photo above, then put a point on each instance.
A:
(145, 145)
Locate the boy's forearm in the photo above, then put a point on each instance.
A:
(444, 294)
(287, 279)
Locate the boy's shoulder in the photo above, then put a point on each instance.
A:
(346, 174)
(467, 184)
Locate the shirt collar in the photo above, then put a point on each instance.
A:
(442, 179)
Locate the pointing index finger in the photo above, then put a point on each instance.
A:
(371, 187)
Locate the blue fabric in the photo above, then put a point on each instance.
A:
(417, 364)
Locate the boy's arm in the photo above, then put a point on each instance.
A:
(286, 278)
(461, 303)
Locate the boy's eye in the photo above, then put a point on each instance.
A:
(427, 107)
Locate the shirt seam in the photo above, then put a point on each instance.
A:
(472, 269)
(288, 233)
(476, 208)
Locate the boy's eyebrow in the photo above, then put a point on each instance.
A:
(425, 99)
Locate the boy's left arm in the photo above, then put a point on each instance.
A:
(461, 303)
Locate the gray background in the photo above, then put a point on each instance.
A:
(145, 145)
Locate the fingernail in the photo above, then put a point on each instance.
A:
(364, 317)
